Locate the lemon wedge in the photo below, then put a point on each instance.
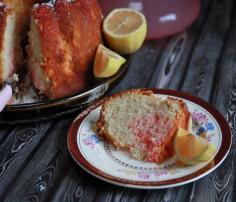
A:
(189, 147)
(107, 62)
(125, 30)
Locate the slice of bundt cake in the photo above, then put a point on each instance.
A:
(142, 123)
(63, 39)
(7, 42)
(14, 23)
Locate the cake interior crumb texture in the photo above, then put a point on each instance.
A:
(143, 124)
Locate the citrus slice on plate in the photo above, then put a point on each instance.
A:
(107, 62)
(125, 30)
(189, 147)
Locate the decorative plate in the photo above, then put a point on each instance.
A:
(51, 108)
(99, 158)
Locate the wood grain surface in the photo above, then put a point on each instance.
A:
(35, 164)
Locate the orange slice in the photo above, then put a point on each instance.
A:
(125, 30)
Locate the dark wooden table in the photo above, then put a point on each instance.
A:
(35, 164)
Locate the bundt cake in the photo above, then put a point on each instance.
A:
(14, 23)
(142, 123)
(63, 39)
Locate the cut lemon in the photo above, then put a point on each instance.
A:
(189, 147)
(125, 30)
(107, 62)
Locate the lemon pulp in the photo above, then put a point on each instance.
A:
(125, 30)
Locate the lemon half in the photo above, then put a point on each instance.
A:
(107, 62)
(125, 30)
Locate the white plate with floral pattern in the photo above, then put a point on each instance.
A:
(101, 159)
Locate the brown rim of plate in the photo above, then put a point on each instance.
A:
(218, 159)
